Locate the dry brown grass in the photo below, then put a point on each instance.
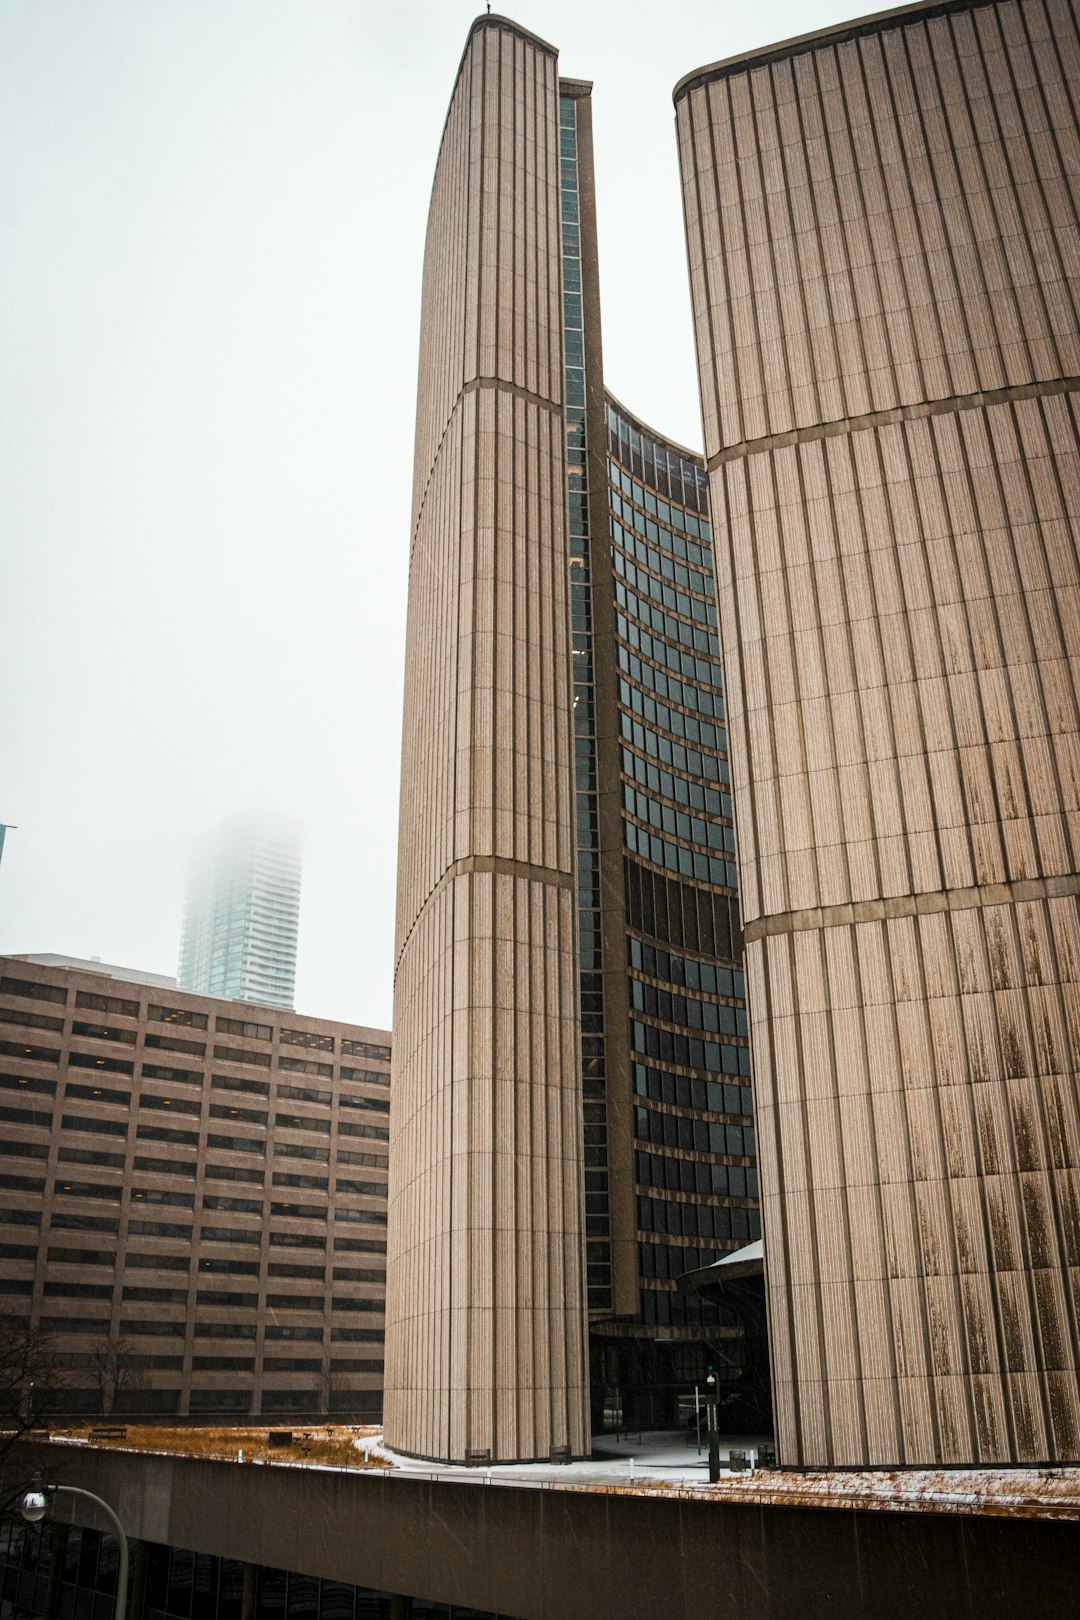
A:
(330, 1444)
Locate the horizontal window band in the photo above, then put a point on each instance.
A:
(911, 905)
(898, 413)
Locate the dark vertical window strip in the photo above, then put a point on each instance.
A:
(587, 808)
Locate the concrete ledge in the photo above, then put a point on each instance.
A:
(556, 1554)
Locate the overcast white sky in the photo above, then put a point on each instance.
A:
(211, 232)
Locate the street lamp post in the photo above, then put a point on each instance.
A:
(712, 1424)
(35, 1504)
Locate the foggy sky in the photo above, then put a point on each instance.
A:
(211, 234)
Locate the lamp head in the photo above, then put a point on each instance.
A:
(34, 1505)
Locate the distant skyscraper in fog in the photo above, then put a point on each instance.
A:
(242, 912)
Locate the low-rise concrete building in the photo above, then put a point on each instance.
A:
(192, 1196)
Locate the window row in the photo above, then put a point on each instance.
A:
(659, 563)
(693, 1135)
(673, 516)
(653, 712)
(707, 767)
(28, 1084)
(657, 651)
(687, 862)
(681, 789)
(689, 1011)
(669, 596)
(27, 1018)
(687, 1051)
(679, 559)
(669, 1309)
(31, 990)
(718, 1222)
(184, 1017)
(186, 1077)
(666, 818)
(708, 977)
(662, 1261)
(183, 1107)
(114, 1193)
(684, 1091)
(705, 702)
(370, 1077)
(695, 1176)
(69, 1154)
(665, 624)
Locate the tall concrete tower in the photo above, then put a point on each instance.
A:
(882, 227)
(485, 1350)
(569, 1005)
(242, 912)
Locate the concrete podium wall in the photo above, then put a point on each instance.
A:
(556, 1554)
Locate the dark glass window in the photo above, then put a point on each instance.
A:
(172, 1043)
(226, 1172)
(236, 1054)
(26, 1019)
(107, 1004)
(181, 1077)
(164, 1195)
(104, 1032)
(88, 1189)
(236, 1144)
(40, 1054)
(33, 991)
(177, 1015)
(240, 1026)
(306, 1038)
(154, 1328)
(100, 1127)
(171, 1105)
(254, 1116)
(28, 1083)
(228, 1082)
(302, 1122)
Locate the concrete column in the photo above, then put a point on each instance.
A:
(250, 1595)
(57, 1549)
(140, 1566)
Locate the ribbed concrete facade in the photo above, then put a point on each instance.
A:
(882, 243)
(486, 1309)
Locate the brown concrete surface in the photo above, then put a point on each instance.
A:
(199, 1183)
(485, 1343)
(881, 226)
(550, 1554)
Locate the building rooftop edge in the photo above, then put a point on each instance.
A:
(661, 438)
(94, 976)
(489, 19)
(874, 22)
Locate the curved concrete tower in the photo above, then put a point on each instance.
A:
(485, 1344)
(882, 234)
